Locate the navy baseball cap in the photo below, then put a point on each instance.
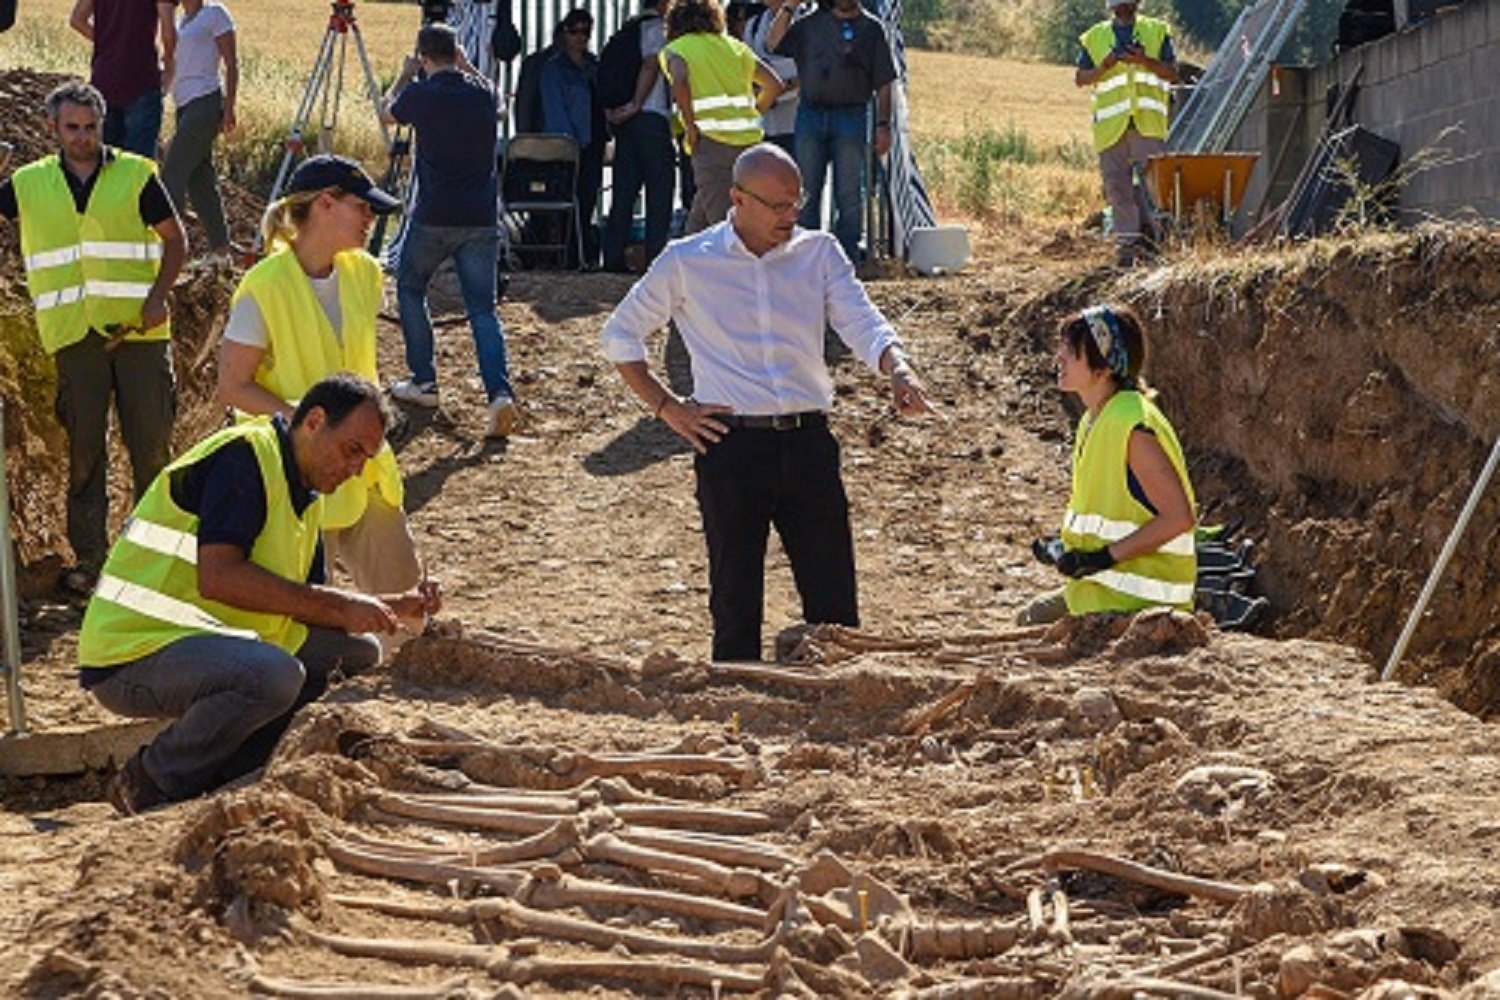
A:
(317, 173)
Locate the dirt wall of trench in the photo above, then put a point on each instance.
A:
(1344, 398)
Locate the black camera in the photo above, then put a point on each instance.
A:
(435, 10)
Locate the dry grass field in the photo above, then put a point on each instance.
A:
(998, 138)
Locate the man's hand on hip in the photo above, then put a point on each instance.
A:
(153, 313)
(694, 422)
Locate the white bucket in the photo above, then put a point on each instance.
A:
(939, 249)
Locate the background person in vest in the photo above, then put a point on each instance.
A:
(304, 312)
(125, 65)
(205, 108)
(843, 59)
(212, 608)
(1128, 533)
(1128, 61)
(780, 121)
(721, 89)
(102, 246)
(758, 420)
(452, 109)
(642, 128)
(570, 106)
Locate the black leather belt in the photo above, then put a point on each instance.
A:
(779, 422)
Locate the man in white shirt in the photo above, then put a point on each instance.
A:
(751, 297)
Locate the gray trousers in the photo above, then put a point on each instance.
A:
(231, 699)
(138, 375)
(713, 176)
(1116, 165)
(189, 166)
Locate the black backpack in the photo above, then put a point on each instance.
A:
(620, 63)
(505, 41)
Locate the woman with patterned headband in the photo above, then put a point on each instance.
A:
(1127, 536)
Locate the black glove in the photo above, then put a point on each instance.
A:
(1078, 564)
(1047, 550)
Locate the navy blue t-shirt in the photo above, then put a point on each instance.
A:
(454, 116)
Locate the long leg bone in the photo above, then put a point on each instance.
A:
(696, 818)
(771, 675)
(527, 921)
(1185, 885)
(547, 894)
(498, 963)
(736, 884)
(725, 850)
(559, 837)
(267, 986)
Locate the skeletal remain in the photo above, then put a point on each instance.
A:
(577, 766)
(498, 962)
(954, 940)
(771, 675)
(1186, 885)
(695, 817)
(996, 988)
(547, 893)
(723, 849)
(522, 920)
(949, 703)
(419, 807)
(558, 837)
(446, 990)
(1133, 987)
(500, 644)
(736, 884)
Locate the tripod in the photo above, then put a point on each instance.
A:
(324, 89)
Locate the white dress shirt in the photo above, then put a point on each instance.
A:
(753, 325)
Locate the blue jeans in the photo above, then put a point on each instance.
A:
(476, 252)
(231, 700)
(838, 135)
(137, 126)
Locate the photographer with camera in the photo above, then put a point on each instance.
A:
(455, 114)
(1129, 63)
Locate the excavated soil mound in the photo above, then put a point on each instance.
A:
(35, 446)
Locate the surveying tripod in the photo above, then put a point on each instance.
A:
(324, 89)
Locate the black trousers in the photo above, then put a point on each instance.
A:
(753, 479)
(644, 156)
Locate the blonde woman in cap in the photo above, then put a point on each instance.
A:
(1128, 61)
(1127, 537)
(304, 312)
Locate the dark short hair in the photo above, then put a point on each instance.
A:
(339, 395)
(1074, 331)
(577, 16)
(438, 42)
(74, 91)
(687, 17)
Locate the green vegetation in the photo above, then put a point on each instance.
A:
(1001, 173)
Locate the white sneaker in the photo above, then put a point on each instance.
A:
(503, 417)
(416, 393)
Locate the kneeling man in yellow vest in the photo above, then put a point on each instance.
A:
(211, 609)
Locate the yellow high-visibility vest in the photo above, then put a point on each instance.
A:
(148, 593)
(1127, 92)
(303, 349)
(721, 77)
(93, 269)
(1102, 511)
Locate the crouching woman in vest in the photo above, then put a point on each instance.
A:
(306, 311)
(211, 609)
(1127, 537)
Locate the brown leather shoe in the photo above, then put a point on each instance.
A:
(131, 791)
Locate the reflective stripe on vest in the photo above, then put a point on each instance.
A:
(721, 78)
(1127, 93)
(169, 610)
(93, 269)
(1101, 511)
(148, 594)
(302, 348)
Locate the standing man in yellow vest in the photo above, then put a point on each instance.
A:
(1129, 63)
(212, 608)
(102, 246)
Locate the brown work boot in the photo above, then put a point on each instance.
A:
(131, 791)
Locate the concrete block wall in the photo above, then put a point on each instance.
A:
(1431, 87)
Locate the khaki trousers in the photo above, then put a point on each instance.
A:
(379, 555)
(1126, 202)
